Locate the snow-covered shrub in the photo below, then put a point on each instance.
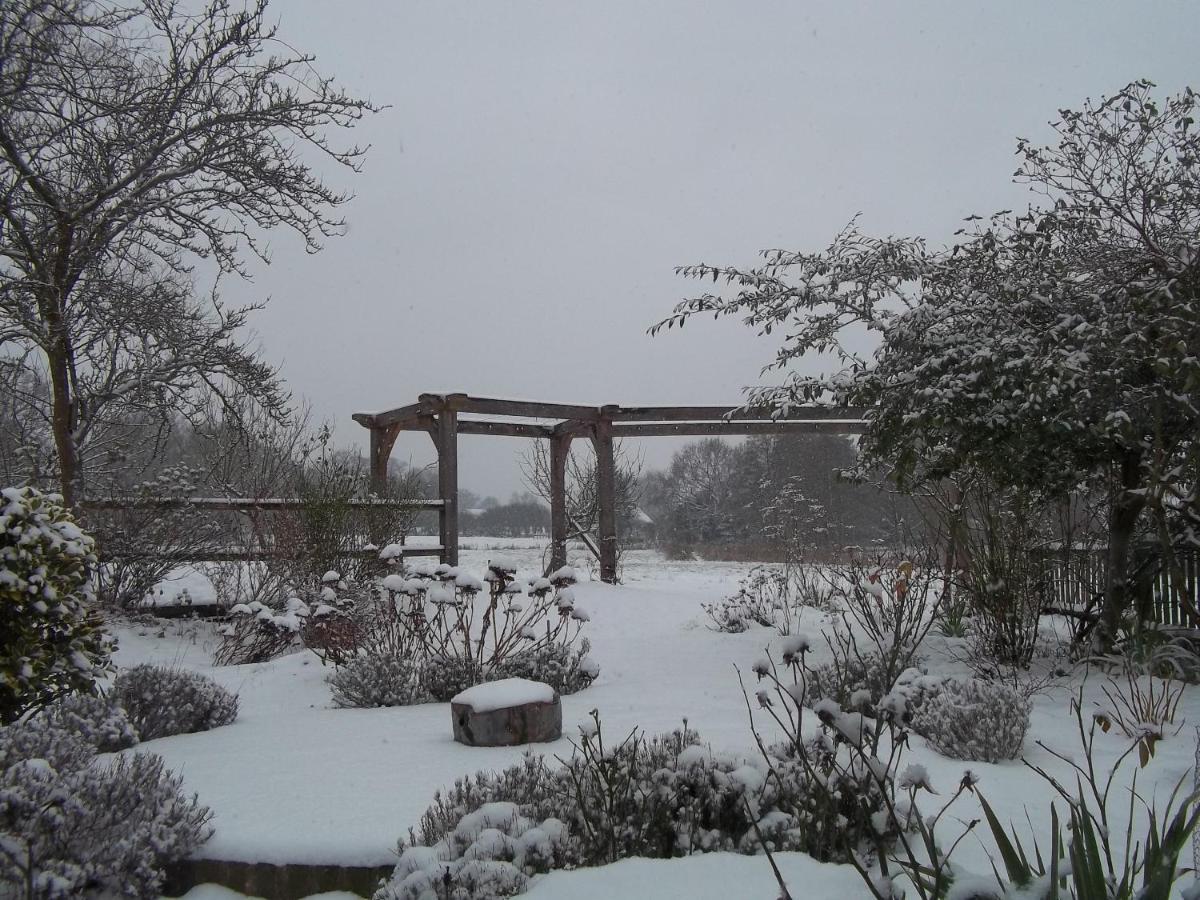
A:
(378, 680)
(566, 669)
(162, 701)
(71, 827)
(97, 720)
(446, 676)
(50, 643)
(661, 797)
(847, 676)
(974, 720)
(255, 632)
(1005, 570)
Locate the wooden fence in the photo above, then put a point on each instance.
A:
(244, 551)
(1076, 578)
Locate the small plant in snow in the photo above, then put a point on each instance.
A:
(773, 597)
(72, 827)
(161, 701)
(378, 680)
(1141, 705)
(974, 720)
(97, 720)
(50, 644)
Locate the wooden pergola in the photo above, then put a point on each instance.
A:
(445, 416)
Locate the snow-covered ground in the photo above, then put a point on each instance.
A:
(295, 779)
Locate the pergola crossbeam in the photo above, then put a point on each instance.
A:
(789, 426)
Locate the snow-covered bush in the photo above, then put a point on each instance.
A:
(97, 720)
(454, 629)
(974, 720)
(161, 701)
(566, 669)
(756, 602)
(50, 643)
(256, 633)
(846, 676)
(378, 680)
(446, 676)
(661, 797)
(71, 827)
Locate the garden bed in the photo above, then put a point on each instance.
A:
(296, 781)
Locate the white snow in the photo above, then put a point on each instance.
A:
(504, 693)
(295, 779)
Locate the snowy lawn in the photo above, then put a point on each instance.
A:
(295, 779)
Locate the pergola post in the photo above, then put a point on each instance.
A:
(606, 478)
(445, 437)
(383, 438)
(560, 449)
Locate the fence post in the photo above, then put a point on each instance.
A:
(446, 439)
(560, 449)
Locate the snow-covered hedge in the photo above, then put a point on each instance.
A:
(97, 720)
(50, 643)
(974, 720)
(72, 827)
(378, 680)
(161, 701)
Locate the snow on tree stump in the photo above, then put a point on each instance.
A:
(506, 713)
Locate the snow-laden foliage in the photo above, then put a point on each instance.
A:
(50, 643)
(662, 797)
(973, 720)
(162, 701)
(378, 680)
(96, 719)
(71, 826)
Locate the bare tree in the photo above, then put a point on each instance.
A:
(583, 485)
(135, 139)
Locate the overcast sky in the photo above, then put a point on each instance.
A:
(543, 167)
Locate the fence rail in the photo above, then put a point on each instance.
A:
(245, 505)
(248, 504)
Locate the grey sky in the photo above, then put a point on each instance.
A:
(544, 166)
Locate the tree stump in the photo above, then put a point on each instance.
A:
(507, 713)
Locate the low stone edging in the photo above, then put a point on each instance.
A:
(290, 881)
